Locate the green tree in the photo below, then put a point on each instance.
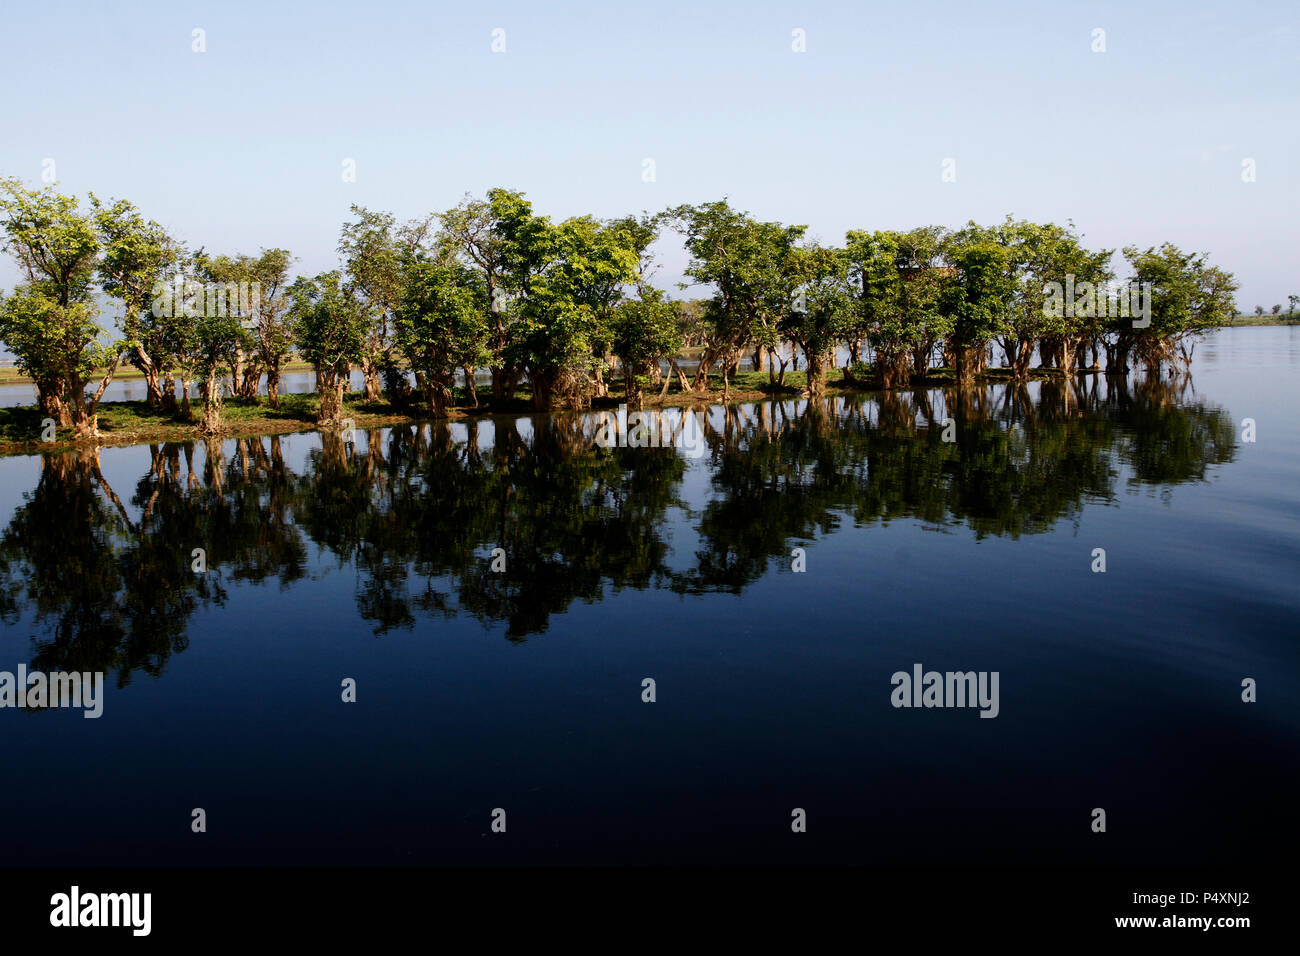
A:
(331, 328)
(50, 321)
(572, 284)
(753, 269)
(821, 313)
(1188, 298)
(441, 326)
(135, 265)
(376, 250)
(974, 298)
(643, 331)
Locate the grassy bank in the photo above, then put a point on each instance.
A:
(1239, 320)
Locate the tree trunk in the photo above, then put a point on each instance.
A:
(701, 383)
(893, 369)
(1065, 356)
(968, 363)
(471, 386)
(436, 394)
(50, 398)
(211, 403)
(816, 373)
(682, 383)
(169, 393)
(273, 386)
(370, 371)
(331, 397)
(1023, 355)
(543, 383)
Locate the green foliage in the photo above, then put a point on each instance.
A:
(645, 330)
(329, 322)
(441, 326)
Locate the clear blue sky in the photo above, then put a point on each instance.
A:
(241, 147)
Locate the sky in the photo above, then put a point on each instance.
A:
(243, 146)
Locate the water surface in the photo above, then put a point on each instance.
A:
(522, 689)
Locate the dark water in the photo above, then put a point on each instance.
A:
(522, 689)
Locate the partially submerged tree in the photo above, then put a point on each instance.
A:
(643, 331)
(440, 327)
(1189, 297)
(331, 327)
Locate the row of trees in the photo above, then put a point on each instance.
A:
(1292, 302)
(489, 284)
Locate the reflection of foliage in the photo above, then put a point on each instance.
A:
(418, 513)
(1015, 469)
(569, 518)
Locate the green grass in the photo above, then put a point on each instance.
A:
(1283, 319)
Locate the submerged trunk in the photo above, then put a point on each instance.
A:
(969, 362)
(1066, 352)
(544, 382)
(436, 396)
(893, 370)
(1020, 359)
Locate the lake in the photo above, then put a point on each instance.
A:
(770, 588)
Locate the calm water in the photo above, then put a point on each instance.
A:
(523, 689)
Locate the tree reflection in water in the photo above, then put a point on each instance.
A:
(107, 585)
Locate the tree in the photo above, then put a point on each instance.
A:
(643, 331)
(1038, 256)
(375, 251)
(441, 326)
(331, 328)
(252, 287)
(897, 280)
(1188, 298)
(974, 298)
(1276, 309)
(134, 267)
(571, 285)
(821, 314)
(272, 337)
(50, 322)
(750, 264)
(506, 244)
